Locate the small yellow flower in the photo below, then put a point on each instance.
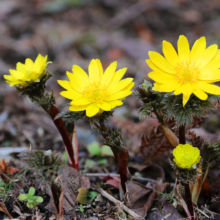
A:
(28, 73)
(188, 71)
(97, 91)
(186, 156)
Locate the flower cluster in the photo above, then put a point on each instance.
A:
(186, 156)
(27, 73)
(188, 72)
(97, 92)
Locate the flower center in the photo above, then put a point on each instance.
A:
(187, 72)
(187, 158)
(95, 93)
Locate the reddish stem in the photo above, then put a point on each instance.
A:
(182, 136)
(121, 156)
(53, 111)
(188, 197)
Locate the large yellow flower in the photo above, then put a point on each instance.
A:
(96, 92)
(28, 73)
(186, 156)
(188, 71)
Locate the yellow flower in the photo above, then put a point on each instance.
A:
(186, 156)
(28, 73)
(188, 71)
(96, 92)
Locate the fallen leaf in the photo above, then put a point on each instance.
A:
(168, 212)
(152, 171)
(112, 181)
(142, 197)
(8, 170)
(82, 196)
(5, 210)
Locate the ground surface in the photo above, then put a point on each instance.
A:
(74, 32)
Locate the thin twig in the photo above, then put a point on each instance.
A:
(118, 203)
(10, 180)
(143, 179)
(202, 212)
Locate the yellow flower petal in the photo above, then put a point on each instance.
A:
(76, 82)
(161, 77)
(209, 88)
(15, 74)
(71, 94)
(117, 77)
(159, 61)
(183, 49)
(93, 72)
(213, 64)
(76, 108)
(20, 67)
(199, 93)
(214, 75)
(207, 56)
(92, 110)
(115, 103)
(104, 106)
(153, 67)
(38, 63)
(187, 91)
(29, 64)
(129, 87)
(109, 73)
(81, 101)
(198, 48)
(170, 53)
(80, 73)
(98, 62)
(166, 87)
(121, 85)
(65, 84)
(119, 95)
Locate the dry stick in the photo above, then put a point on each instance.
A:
(118, 203)
(182, 140)
(53, 111)
(117, 175)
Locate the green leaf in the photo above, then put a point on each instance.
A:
(94, 149)
(39, 199)
(65, 157)
(30, 200)
(90, 163)
(92, 195)
(31, 205)
(31, 191)
(102, 161)
(106, 151)
(22, 197)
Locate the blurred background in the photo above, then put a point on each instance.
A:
(76, 31)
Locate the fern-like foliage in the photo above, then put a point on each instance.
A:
(152, 100)
(184, 115)
(211, 154)
(70, 117)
